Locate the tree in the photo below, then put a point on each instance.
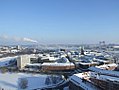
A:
(23, 83)
(47, 81)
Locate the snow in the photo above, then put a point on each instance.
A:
(77, 79)
(110, 78)
(107, 65)
(35, 64)
(104, 77)
(102, 71)
(50, 58)
(5, 61)
(100, 60)
(66, 88)
(9, 81)
(89, 63)
(57, 64)
(36, 82)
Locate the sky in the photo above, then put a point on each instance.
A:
(59, 21)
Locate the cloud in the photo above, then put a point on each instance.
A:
(17, 39)
(29, 40)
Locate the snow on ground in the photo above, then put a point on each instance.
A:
(5, 61)
(9, 81)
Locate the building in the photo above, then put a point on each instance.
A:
(22, 61)
(80, 82)
(57, 66)
(105, 78)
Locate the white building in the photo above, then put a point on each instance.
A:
(22, 61)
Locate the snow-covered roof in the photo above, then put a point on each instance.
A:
(104, 77)
(107, 65)
(102, 71)
(9, 81)
(35, 64)
(115, 46)
(5, 61)
(57, 64)
(89, 63)
(50, 58)
(100, 60)
(77, 79)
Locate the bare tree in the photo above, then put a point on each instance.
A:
(23, 83)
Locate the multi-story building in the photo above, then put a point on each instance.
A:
(22, 61)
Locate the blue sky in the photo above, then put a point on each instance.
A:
(60, 21)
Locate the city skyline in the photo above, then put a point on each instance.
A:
(59, 21)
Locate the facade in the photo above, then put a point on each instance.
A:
(104, 77)
(80, 82)
(105, 82)
(22, 61)
(57, 66)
